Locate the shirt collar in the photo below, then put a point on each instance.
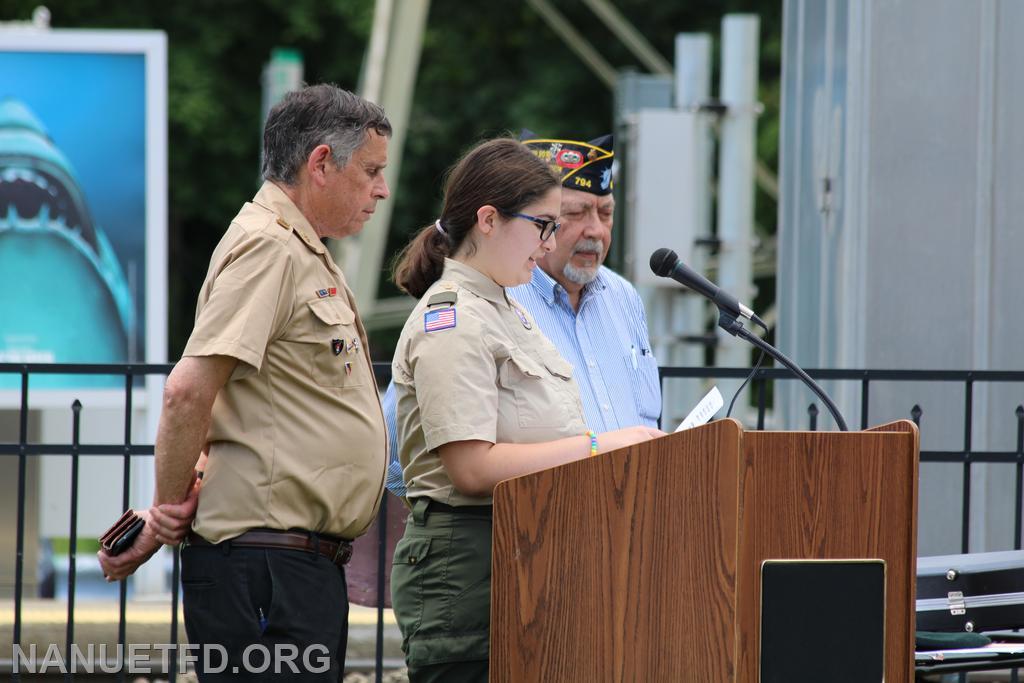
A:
(273, 199)
(544, 284)
(473, 280)
(547, 287)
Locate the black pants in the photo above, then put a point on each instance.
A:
(264, 614)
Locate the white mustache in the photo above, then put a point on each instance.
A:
(588, 245)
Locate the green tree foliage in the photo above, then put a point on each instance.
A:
(486, 69)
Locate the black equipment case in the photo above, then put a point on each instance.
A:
(975, 592)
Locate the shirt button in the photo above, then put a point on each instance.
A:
(590, 363)
(605, 407)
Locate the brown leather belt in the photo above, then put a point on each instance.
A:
(338, 551)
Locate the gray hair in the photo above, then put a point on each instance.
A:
(322, 114)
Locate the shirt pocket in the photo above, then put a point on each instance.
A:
(646, 385)
(337, 350)
(541, 390)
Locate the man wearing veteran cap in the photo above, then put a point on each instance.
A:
(276, 384)
(594, 316)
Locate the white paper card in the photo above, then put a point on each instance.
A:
(704, 411)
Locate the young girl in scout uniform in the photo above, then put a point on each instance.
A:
(483, 396)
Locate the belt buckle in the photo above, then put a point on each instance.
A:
(343, 554)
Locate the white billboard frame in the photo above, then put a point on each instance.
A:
(152, 47)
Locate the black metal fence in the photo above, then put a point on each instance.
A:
(23, 450)
(133, 375)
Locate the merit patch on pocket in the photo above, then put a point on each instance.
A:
(441, 319)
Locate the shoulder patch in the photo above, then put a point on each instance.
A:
(447, 298)
(439, 319)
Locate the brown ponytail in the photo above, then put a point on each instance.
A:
(421, 263)
(502, 173)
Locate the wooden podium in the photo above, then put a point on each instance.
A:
(643, 564)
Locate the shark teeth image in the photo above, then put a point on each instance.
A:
(66, 298)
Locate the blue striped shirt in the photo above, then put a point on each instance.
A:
(389, 402)
(605, 341)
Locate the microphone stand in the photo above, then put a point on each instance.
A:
(730, 324)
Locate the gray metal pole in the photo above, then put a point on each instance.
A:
(737, 156)
(394, 81)
(685, 313)
(634, 41)
(587, 53)
(282, 74)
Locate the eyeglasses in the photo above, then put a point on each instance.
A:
(547, 227)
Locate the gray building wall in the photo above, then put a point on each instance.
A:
(899, 234)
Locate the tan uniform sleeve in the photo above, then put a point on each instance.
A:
(245, 303)
(456, 381)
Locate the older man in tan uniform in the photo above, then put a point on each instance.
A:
(276, 382)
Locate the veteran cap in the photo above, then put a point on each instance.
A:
(585, 166)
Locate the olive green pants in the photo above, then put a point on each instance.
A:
(441, 591)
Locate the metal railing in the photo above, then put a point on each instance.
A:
(23, 449)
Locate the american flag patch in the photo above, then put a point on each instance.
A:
(441, 319)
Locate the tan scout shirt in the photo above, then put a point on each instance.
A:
(492, 376)
(297, 437)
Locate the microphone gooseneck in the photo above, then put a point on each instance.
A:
(666, 263)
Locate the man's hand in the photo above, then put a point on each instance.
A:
(117, 567)
(166, 524)
(170, 522)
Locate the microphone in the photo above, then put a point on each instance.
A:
(666, 263)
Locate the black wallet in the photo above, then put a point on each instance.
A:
(119, 537)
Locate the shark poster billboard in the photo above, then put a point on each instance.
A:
(82, 201)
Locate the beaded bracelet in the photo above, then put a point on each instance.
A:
(593, 442)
